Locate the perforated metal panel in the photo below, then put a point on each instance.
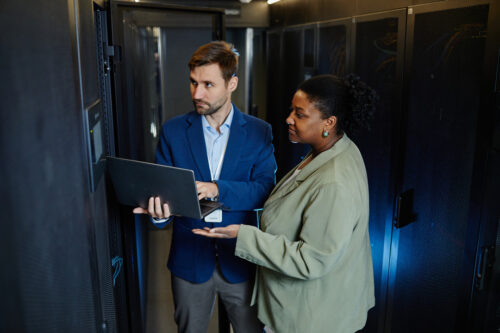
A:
(443, 107)
(48, 273)
(378, 60)
(333, 50)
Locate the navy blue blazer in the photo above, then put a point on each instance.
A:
(246, 179)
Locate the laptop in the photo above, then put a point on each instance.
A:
(135, 182)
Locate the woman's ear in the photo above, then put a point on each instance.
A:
(331, 122)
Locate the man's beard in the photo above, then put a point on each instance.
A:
(211, 108)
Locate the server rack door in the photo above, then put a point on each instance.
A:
(377, 56)
(275, 100)
(445, 52)
(152, 44)
(483, 314)
(334, 47)
(296, 69)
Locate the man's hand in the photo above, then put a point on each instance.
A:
(207, 190)
(155, 209)
(231, 231)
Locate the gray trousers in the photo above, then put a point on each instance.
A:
(194, 304)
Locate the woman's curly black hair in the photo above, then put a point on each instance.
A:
(349, 99)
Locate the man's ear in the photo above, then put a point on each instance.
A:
(233, 83)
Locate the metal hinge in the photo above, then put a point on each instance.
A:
(113, 51)
(110, 51)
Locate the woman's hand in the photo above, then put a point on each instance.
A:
(231, 231)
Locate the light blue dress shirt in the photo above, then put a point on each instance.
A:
(215, 144)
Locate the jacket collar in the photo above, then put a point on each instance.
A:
(309, 169)
(196, 140)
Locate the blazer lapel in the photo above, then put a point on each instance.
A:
(280, 191)
(235, 144)
(196, 141)
(315, 164)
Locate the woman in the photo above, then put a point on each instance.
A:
(313, 250)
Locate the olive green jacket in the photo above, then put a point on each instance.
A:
(313, 252)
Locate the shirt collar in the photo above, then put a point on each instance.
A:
(226, 124)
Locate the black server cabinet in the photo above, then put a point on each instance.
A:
(151, 44)
(426, 154)
(377, 53)
(445, 52)
(291, 60)
(333, 47)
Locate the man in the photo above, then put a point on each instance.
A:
(232, 157)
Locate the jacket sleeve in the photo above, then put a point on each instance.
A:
(248, 195)
(328, 222)
(163, 155)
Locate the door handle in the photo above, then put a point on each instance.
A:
(486, 263)
(404, 209)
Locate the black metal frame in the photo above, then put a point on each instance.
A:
(115, 234)
(347, 23)
(472, 248)
(391, 235)
(481, 221)
(302, 28)
(75, 35)
(117, 8)
(122, 147)
(477, 228)
(276, 96)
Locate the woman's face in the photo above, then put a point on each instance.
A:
(305, 124)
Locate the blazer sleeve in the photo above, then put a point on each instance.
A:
(163, 157)
(163, 154)
(248, 195)
(328, 222)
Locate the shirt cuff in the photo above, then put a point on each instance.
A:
(157, 220)
(216, 198)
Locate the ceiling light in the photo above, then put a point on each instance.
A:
(270, 2)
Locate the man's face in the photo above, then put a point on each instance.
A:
(209, 90)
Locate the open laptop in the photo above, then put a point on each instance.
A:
(135, 182)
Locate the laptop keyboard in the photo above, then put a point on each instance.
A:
(207, 205)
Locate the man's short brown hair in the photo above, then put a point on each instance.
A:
(218, 52)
